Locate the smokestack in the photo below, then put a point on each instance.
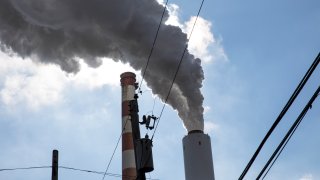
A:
(197, 154)
(128, 84)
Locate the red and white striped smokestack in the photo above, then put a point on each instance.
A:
(128, 81)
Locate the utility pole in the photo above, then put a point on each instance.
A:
(55, 164)
(142, 146)
(136, 134)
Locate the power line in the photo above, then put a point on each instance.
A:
(97, 172)
(176, 73)
(69, 168)
(25, 168)
(91, 171)
(289, 134)
(88, 171)
(153, 44)
(282, 113)
(146, 69)
(278, 154)
(124, 127)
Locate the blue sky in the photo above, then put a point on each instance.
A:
(258, 53)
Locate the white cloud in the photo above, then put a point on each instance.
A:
(35, 85)
(106, 74)
(173, 15)
(203, 44)
(206, 109)
(35, 90)
(210, 127)
(307, 177)
(23, 82)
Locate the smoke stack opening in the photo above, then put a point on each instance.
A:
(195, 131)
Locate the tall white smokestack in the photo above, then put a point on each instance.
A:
(197, 154)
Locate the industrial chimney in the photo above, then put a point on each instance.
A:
(197, 154)
(128, 84)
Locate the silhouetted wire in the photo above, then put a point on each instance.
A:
(153, 106)
(153, 44)
(68, 168)
(89, 171)
(124, 127)
(97, 172)
(279, 154)
(282, 113)
(289, 134)
(176, 73)
(26, 168)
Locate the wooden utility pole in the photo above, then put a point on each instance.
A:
(55, 164)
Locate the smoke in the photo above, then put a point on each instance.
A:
(62, 31)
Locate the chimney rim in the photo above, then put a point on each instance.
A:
(195, 132)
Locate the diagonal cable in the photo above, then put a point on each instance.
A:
(111, 158)
(153, 44)
(289, 134)
(149, 57)
(282, 113)
(26, 168)
(97, 172)
(176, 73)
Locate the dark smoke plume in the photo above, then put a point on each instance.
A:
(60, 31)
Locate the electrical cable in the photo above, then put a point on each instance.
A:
(89, 171)
(289, 134)
(176, 73)
(97, 172)
(279, 154)
(154, 42)
(69, 168)
(153, 45)
(282, 113)
(124, 127)
(25, 168)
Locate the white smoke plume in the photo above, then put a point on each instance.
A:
(62, 31)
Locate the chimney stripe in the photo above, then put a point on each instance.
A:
(128, 92)
(126, 121)
(130, 172)
(127, 145)
(128, 160)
